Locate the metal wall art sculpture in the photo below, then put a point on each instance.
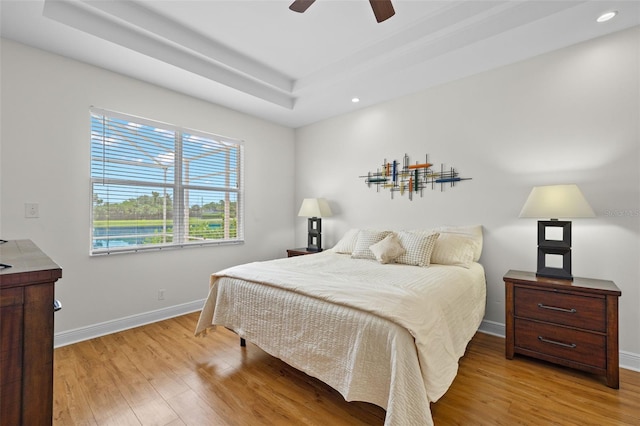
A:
(411, 178)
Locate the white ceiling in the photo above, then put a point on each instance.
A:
(294, 69)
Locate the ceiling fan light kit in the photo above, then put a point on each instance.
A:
(382, 9)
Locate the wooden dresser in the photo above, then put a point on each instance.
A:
(572, 323)
(26, 334)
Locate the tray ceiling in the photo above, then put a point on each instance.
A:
(294, 69)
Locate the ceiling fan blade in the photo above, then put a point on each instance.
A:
(383, 9)
(301, 5)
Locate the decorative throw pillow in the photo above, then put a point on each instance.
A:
(347, 242)
(367, 238)
(454, 249)
(388, 249)
(472, 231)
(418, 248)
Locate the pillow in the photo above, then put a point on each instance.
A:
(388, 249)
(454, 249)
(367, 238)
(347, 242)
(473, 231)
(418, 248)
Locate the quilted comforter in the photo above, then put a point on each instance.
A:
(389, 334)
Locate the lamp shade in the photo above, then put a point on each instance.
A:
(315, 207)
(556, 201)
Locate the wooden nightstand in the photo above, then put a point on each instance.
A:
(299, 252)
(571, 323)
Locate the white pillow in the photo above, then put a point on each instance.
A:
(347, 242)
(367, 238)
(418, 248)
(454, 249)
(473, 231)
(388, 249)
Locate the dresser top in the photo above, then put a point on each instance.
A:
(585, 284)
(27, 263)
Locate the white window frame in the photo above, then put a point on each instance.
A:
(180, 186)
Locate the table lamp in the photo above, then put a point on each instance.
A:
(554, 202)
(314, 209)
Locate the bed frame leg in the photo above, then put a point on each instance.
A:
(243, 343)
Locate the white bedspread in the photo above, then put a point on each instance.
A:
(391, 335)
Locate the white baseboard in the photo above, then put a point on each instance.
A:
(108, 327)
(628, 360)
(493, 328)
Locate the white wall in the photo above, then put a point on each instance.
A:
(45, 159)
(571, 116)
(568, 116)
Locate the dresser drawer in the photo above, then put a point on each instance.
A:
(11, 361)
(10, 403)
(11, 296)
(569, 344)
(10, 345)
(584, 312)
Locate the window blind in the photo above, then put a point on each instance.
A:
(156, 185)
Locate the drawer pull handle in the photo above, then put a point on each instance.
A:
(553, 308)
(553, 342)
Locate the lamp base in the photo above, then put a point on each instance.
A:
(554, 248)
(560, 274)
(314, 239)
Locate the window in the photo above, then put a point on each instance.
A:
(156, 185)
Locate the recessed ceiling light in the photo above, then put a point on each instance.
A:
(355, 100)
(607, 16)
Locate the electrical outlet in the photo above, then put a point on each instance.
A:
(31, 210)
(161, 294)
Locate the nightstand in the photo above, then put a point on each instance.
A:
(571, 323)
(299, 252)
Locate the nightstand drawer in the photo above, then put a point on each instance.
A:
(568, 344)
(560, 308)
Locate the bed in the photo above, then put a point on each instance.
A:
(380, 326)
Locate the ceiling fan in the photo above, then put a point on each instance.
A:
(383, 9)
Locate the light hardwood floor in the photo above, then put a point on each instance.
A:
(159, 374)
